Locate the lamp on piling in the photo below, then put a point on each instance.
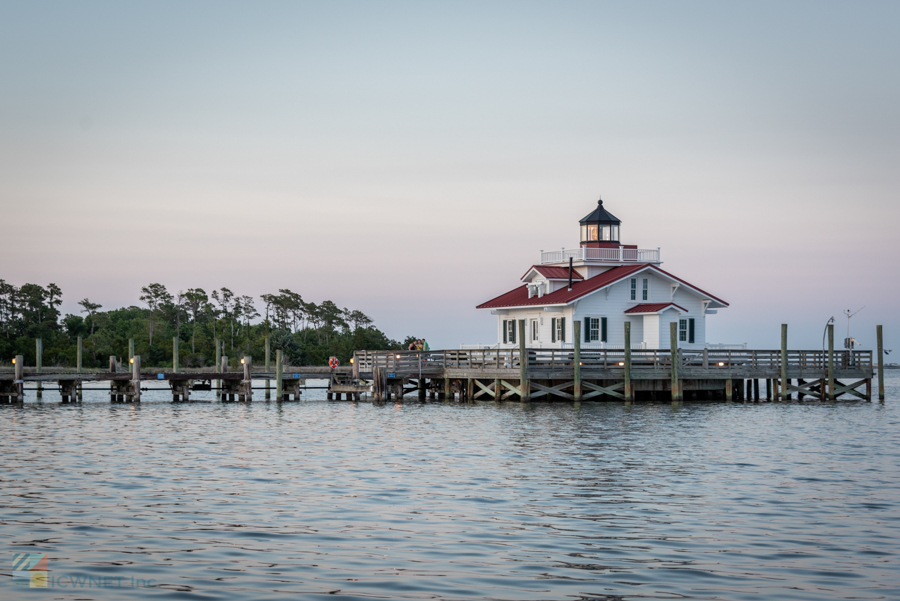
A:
(600, 228)
(14, 360)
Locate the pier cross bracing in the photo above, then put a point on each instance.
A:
(574, 374)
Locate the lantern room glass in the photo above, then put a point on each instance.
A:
(593, 232)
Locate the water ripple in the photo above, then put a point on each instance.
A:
(483, 501)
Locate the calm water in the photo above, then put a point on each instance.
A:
(445, 501)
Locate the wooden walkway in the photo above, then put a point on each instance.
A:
(505, 374)
(574, 374)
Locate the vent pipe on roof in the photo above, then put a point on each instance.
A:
(570, 273)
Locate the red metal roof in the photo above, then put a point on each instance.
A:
(518, 297)
(554, 273)
(654, 308)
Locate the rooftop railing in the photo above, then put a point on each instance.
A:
(601, 255)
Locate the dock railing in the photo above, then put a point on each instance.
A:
(411, 363)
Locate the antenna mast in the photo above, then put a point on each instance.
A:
(848, 342)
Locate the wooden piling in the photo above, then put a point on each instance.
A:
(268, 395)
(421, 388)
(218, 367)
(136, 377)
(629, 390)
(879, 336)
(768, 389)
(523, 363)
(279, 372)
(728, 391)
(247, 393)
(175, 354)
(783, 386)
(38, 363)
(830, 362)
(498, 390)
(470, 390)
(130, 350)
(78, 365)
(755, 389)
(576, 335)
(19, 378)
(673, 351)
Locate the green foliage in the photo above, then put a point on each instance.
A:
(306, 332)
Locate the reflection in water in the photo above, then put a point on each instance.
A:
(538, 501)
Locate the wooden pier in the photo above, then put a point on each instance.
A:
(620, 374)
(521, 373)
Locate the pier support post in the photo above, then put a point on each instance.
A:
(576, 335)
(783, 384)
(175, 354)
(470, 390)
(830, 396)
(218, 367)
(38, 363)
(755, 389)
(523, 363)
(673, 350)
(247, 392)
(130, 350)
(268, 395)
(728, 392)
(136, 378)
(78, 366)
(498, 390)
(19, 382)
(448, 395)
(421, 388)
(878, 335)
(279, 372)
(629, 389)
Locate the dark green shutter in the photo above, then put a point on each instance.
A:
(504, 332)
(691, 330)
(603, 329)
(512, 332)
(562, 329)
(552, 329)
(587, 329)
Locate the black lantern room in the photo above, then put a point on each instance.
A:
(600, 228)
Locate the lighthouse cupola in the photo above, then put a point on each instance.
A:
(600, 229)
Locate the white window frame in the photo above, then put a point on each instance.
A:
(645, 290)
(535, 329)
(594, 327)
(682, 329)
(510, 334)
(633, 288)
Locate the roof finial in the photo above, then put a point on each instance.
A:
(599, 201)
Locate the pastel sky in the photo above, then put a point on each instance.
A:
(411, 159)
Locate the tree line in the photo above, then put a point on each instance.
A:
(308, 333)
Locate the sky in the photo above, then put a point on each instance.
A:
(412, 159)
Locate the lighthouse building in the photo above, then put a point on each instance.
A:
(602, 284)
